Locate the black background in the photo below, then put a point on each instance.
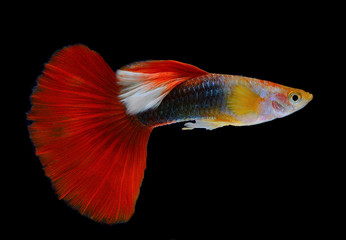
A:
(263, 180)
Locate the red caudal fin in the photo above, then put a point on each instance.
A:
(145, 84)
(93, 152)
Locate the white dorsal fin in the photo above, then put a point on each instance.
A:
(139, 95)
(145, 84)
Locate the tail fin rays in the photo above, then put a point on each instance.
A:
(93, 152)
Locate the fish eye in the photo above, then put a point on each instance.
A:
(294, 97)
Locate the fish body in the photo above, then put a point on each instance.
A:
(217, 100)
(194, 99)
(91, 126)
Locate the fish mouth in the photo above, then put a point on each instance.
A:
(309, 96)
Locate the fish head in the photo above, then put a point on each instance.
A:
(286, 100)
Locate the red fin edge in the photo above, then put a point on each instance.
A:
(155, 66)
(93, 152)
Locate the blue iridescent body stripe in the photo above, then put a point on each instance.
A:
(196, 98)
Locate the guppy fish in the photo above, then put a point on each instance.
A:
(91, 125)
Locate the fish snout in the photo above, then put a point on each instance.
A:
(309, 97)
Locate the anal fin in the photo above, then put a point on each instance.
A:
(212, 123)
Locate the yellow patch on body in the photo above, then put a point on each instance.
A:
(244, 101)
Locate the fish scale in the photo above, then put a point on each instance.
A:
(200, 97)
